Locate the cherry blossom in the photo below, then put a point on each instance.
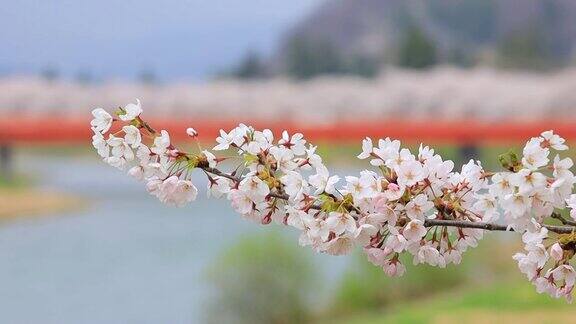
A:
(132, 136)
(101, 145)
(296, 143)
(161, 143)
(571, 202)
(418, 207)
(322, 180)
(414, 231)
(535, 156)
(295, 185)
(131, 111)
(102, 120)
(406, 205)
(549, 139)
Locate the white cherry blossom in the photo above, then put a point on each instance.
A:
(241, 201)
(340, 222)
(132, 110)
(418, 207)
(528, 181)
(404, 205)
(502, 184)
(414, 230)
(387, 149)
(296, 143)
(534, 155)
(132, 136)
(554, 141)
(102, 121)
(571, 202)
(254, 187)
(367, 149)
(410, 173)
(322, 181)
(429, 255)
(101, 145)
(161, 143)
(562, 168)
(294, 185)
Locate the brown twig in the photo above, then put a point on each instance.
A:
(562, 219)
(435, 222)
(491, 226)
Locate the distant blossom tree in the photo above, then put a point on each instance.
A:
(409, 204)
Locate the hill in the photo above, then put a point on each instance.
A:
(359, 35)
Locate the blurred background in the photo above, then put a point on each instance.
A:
(82, 243)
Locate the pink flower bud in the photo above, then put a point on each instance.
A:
(191, 132)
(556, 252)
(267, 219)
(390, 269)
(394, 268)
(376, 256)
(174, 153)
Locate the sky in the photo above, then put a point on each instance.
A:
(177, 39)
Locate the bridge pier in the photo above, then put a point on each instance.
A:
(6, 160)
(467, 152)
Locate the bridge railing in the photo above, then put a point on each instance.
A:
(462, 132)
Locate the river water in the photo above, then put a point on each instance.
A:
(125, 258)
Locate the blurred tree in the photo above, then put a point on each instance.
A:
(147, 76)
(84, 77)
(417, 51)
(474, 21)
(50, 73)
(524, 50)
(307, 58)
(366, 287)
(262, 279)
(251, 67)
(460, 58)
(363, 66)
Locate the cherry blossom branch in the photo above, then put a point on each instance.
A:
(409, 203)
(491, 226)
(435, 222)
(220, 173)
(562, 219)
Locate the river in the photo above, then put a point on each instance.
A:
(125, 258)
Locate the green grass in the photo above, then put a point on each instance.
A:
(16, 182)
(511, 299)
(486, 284)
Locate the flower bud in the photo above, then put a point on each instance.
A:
(267, 219)
(556, 252)
(376, 256)
(191, 132)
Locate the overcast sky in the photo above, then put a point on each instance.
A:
(119, 38)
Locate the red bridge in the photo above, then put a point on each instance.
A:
(466, 134)
(40, 131)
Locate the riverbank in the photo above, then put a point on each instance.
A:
(30, 202)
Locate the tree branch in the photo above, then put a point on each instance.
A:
(434, 222)
(562, 219)
(233, 178)
(491, 226)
